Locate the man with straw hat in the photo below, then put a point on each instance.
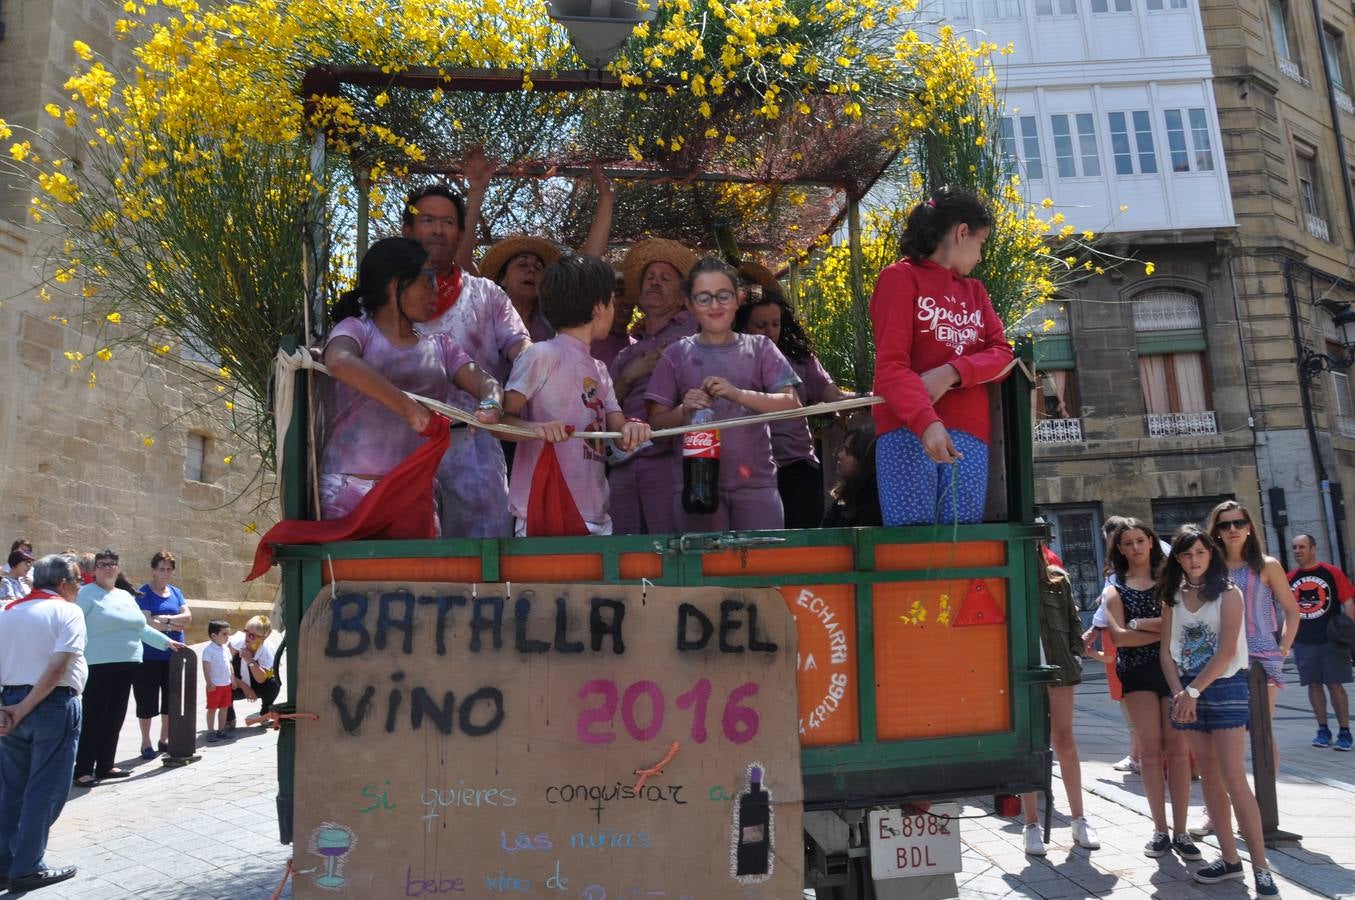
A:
(642, 487)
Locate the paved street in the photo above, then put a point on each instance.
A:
(209, 830)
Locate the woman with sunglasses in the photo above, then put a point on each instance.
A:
(1134, 619)
(116, 628)
(253, 658)
(1264, 586)
(1204, 658)
(732, 375)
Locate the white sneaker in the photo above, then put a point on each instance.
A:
(1201, 826)
(1128, 764)
(1034, 840)
(1084, 835)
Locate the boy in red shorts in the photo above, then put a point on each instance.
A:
(216, 673)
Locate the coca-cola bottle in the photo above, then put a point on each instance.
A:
(701, 466)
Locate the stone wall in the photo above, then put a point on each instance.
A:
(75, 470)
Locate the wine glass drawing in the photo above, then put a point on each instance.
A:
(333, 842)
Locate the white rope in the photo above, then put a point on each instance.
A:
(302, 359)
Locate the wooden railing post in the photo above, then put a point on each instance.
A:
(183, 708)
(1263, 759)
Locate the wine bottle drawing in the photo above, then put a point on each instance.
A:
(753, 830)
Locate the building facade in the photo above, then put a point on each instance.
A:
(136, 463)
(1282, 88)
(1143, 407)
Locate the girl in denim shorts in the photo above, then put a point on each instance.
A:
(1205, 663)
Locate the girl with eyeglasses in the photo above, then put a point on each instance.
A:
(732, 375)
(1265, 587)
(937, 343)
(376, 356)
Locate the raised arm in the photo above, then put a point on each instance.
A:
(601, 229)
(478, 170)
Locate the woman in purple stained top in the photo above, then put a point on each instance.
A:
(734, 375)
(799, 478)
(376, 355)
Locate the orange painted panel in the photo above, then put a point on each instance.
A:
(552, 568)
(825, 625)
(966, 554)
(641, 565)
(419, 569)
(778, 561)
(933, 679)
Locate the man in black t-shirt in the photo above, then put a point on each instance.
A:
(1323, 592)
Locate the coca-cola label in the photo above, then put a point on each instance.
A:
(701, 444)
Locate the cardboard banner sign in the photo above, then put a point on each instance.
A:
(587, 741)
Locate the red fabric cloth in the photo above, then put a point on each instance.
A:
(1051, 558)
(400, 506)
(35, 595)
(925, 316)
(551, 511)
(449, 290)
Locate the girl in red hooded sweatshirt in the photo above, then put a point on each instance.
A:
(937, 343)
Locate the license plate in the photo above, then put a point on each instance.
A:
(909, 843)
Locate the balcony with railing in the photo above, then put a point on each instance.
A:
(1176, 424)
(1290, 69)
(1317, 226)
(1343, 101)
(1058, 431)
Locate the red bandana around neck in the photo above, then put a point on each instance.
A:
(449, 289)
(35, 595)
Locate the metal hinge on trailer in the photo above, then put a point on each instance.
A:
(715, 542)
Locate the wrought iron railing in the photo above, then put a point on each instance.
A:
(1171, 424)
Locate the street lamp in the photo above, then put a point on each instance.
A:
(1311, 363)
(598, 28)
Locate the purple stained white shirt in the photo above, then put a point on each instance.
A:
(633, 404)
(365, 437)
(472, 477)
(564, 383)
(748, 361)
(791, 438)
(484, 323)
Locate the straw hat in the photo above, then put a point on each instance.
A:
(757, 273)
(497, 256)
(651, 250)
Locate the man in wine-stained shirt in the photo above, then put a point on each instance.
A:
(472, 479)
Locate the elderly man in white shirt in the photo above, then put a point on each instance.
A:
(42, 672)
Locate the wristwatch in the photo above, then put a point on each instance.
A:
(1192, 692)
(1133, 624)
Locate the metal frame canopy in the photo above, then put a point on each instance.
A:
(711, 171)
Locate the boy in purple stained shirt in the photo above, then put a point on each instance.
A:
(735, 375)
(558, 386)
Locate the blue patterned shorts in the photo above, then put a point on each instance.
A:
(1224, 704)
